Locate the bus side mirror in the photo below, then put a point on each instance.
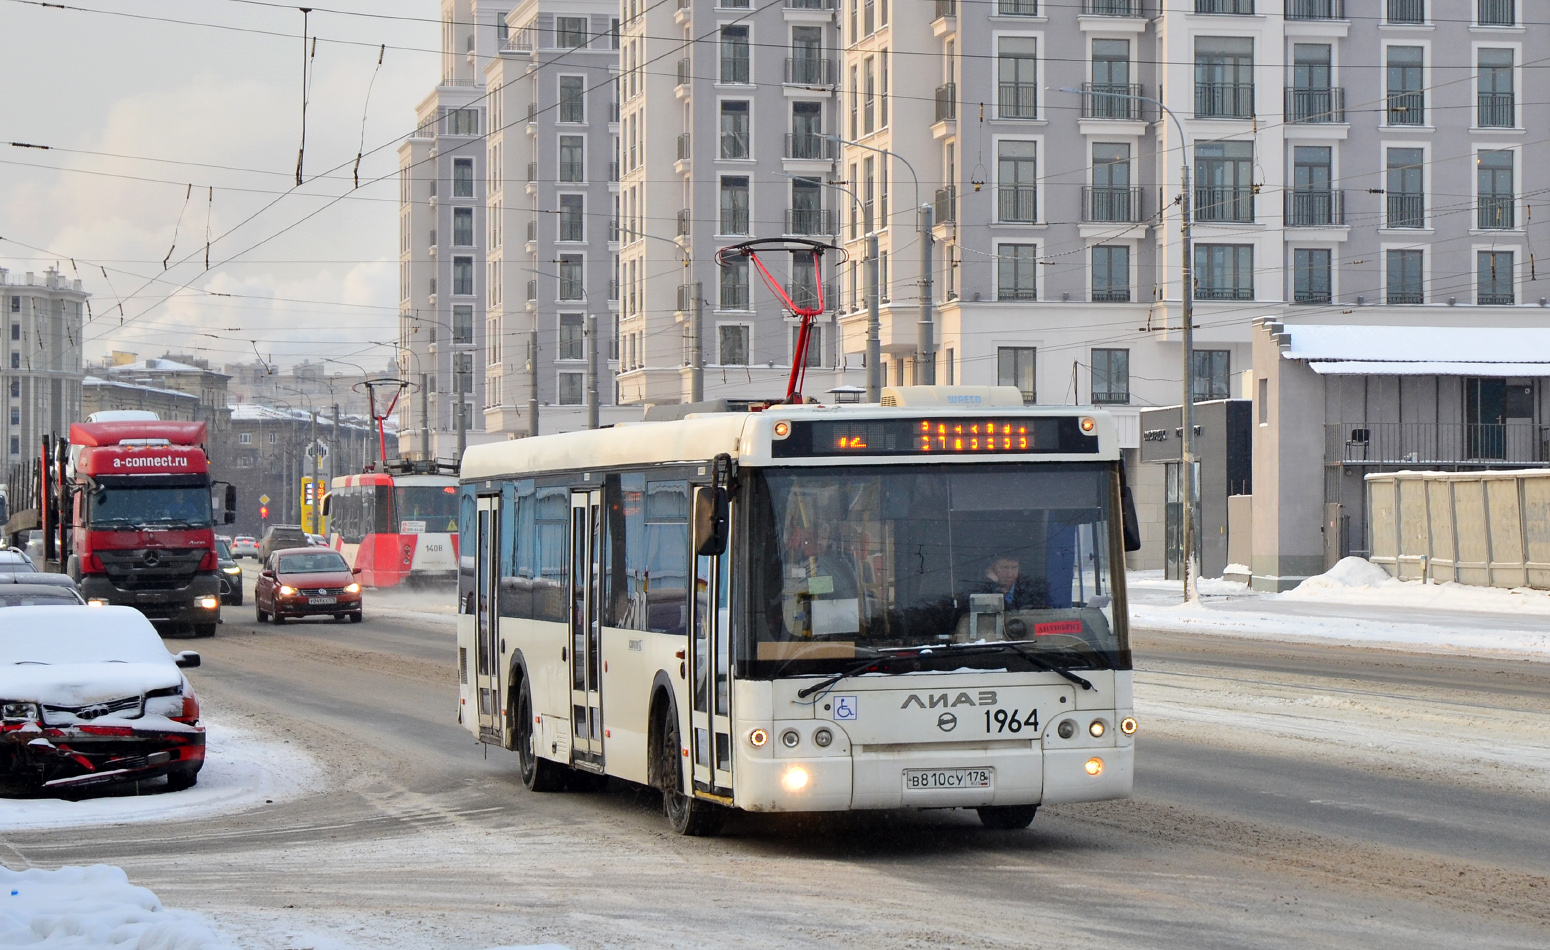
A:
(1128, 520)
(231, 504)
(326, 499)
(710, 521)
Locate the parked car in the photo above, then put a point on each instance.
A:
(281, 536)
(89, 696)
(231, 574)
(15, 561)
(16, 592)
(307, 582)
(244, 546)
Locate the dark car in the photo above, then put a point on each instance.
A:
(39, 578)
(15, 561)
(89, 696)
(37, 595)
(231, 574)
(307, 582)
(281, 536)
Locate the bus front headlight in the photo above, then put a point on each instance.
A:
(795, 779)
(1094, 766)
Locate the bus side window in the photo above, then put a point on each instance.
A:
(551, 535)
(518, 571)
(468, 543)
(666, 559)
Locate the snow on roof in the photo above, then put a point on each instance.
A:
(1423, 351)
(119, 384)
(159, 365)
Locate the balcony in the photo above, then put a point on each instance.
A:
(685, 71)
(1312, 295)
(1017, 7)
(683, 147)
(732, 297)
(1111, 295)
(947, 102)
(1315, 9)
(532, 230)
(1484, 299)
(734, 67)
(1398, 296)
(532, 171)
(1216, 204)
(811, 4)
(1231, 7)
(1405, 211)
(1496, 213)
(1314, 207)
(810, 147)
(733, 222)
(532, 290)
(1224, 100)
(613, 289)
(1204, 290)
(811, 221)
(946, 8)
(1407, 108)
(684, 217)
(1017, 204)
(1496, 13)
(685, 298)
(573, 171)
(946, 210)
(805, 295)
(810, 71)
(613, 171)
(1129, 8)
(1112, 101)
(1406, 11)
(1306, 106)
(1434, 443)
(520, 41)
(1017, 100)
(1104, 204)
(1498, 110)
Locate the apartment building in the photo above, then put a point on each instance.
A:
(40, 360)
(441, 241)
(725, 108)
(553, 191)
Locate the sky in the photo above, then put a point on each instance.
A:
(160, 110)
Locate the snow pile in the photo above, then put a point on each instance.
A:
(77, 908)
(1349, 572)
(1354, 580)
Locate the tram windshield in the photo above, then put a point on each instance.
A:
(430, 508)
(853, 562)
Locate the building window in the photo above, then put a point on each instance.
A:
(1111, 274)
(807, 132)
(570, 32)
(1224, 181)
(734, 205)
(1017, 92)
(463, 178)
(16, 445)
(463, 324)
(571, 389)
(1406, 192)
(1017, 7)
(1017, 177)
(1406, 97)
(734, 130)
(1110, 197)
(1311, 275)
(243, 438)
(1236, 7)
(814, 345)
(1016, 272)
(1406, 11)
(734, 54)
(1109, 95)
(1311, 201)
(1404, 277)
(868, 96)
(1312, 98)
(572, 217)
(463, 275)
(16, 328)
(733, 345)
(463, 227)
(1224, 77)
(573, 344)
(1212, 374)
(1224, 272)
(1494, 287)
(462, 122)
(1015, 367)
(274, 438)
(1493, 172)
(807, 63)
(571, 286)
(734, 285)
(573, 158)
(806, 207)
(1496, 13)
(1496, 95)
(463, 372)
(573, 103)
(1111, 376)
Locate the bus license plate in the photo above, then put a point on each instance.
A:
(948, 778)
(322, 600)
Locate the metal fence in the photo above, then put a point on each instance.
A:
(1488, 529)
(1436, 443)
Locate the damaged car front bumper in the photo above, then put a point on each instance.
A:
(36, 757)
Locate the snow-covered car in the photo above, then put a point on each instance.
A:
(244, 546)
(89, 696)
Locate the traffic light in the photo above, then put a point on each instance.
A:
(263, 512)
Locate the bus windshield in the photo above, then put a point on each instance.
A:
(134, 501)
(852, 562)
(434, 505)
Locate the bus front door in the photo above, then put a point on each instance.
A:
(710, 720)
(486, 587)
(586, 631)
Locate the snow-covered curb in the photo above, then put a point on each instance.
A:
(241, 769)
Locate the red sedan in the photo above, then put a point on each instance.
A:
(307, 582)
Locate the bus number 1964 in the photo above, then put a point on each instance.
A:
(999, 720)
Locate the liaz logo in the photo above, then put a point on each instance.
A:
(984, 697)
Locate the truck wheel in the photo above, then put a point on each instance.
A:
(688, 816)
(1007, 817)
(204, 629)
(538, 774)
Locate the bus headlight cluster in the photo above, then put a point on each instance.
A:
(1096, 728)
(1066, 729)
(795, 779)
(1128, 725)
(790, 738)
(822, 738)
(1094, 766)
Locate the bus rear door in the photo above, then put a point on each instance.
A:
(586, 632)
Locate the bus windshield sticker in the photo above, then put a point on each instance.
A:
(845, 708)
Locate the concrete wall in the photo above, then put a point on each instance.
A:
(1288, 545)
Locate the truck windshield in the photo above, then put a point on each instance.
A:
(851, 562)
(434, 505)
(134, 501)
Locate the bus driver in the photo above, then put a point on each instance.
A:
(1005, 577)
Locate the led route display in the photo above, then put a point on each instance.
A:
(956, 435)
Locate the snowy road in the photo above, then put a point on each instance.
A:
(1288, 795)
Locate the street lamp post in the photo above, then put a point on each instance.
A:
(1187, 318)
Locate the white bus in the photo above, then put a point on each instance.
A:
(809, 608)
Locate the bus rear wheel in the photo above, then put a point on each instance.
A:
(688, 816)
(538, 774)
(1007, 817)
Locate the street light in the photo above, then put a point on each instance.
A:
(1187, 307)
(925, 340)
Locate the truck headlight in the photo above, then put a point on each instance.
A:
(208, 603)
(13, 712)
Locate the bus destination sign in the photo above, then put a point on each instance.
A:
(955, 436)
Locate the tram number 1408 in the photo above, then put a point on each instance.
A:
(1001, 721)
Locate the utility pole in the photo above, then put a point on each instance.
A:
(925, 344)
(874, 344)
(333, 450)
(425, 420)
(1187, 405)
(696, 345)
(317, 477)
(532, 379)
(591, 371)
(462, 413)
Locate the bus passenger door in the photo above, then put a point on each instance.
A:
(710, 722)
(486, 614)
(586, 632)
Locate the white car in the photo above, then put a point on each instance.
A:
(90, 696)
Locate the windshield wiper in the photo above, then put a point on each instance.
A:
(168, 522)
(1031, 657)
(861, 667)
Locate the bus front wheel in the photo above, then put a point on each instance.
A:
(538, 774)
(689, 816)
